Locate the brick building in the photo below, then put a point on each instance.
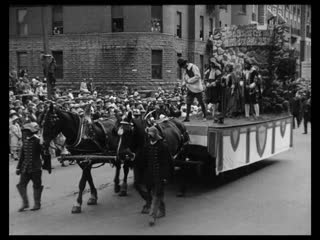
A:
(135, 45)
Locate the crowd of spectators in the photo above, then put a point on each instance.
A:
(28, 98)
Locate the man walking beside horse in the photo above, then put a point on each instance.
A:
(158, 171)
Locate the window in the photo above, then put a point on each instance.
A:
(201, 66)
(58, 56)
(156, 18)
(201, 28)
(243, 9)
(179, 70)
(220, 24)
(117, 18)
(22, 26)
(179, 25)
(57, 20)
(298, 12)
(156, 64)
(255, 12)
(210, 26)
(22, 61)
(254, 16)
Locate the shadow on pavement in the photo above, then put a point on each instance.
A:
(197, 186)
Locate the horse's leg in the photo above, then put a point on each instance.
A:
(116, 177)
(82, 184)
(123, 191)
(94, 194)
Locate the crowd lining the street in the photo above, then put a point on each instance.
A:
(227, 93)
(28, 97)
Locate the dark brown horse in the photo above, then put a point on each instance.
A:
(96, 138)
(132, 133)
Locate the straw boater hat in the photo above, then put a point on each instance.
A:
(14, 117)
(32, 126)
(12, 111)
(160, 100)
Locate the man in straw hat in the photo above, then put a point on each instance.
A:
(29, 166)
(158, 171)
(192, 79)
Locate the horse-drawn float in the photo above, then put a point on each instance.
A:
(237, 142)
(215, 148)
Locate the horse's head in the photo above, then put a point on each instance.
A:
(126, 131)
(87, 113)
(51, 125)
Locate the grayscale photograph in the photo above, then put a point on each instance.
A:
(159, 119)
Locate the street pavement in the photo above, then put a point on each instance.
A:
(272, 198)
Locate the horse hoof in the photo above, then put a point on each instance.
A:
(92, 201)
(123, 194)
(145, 210)
(116, 188)
(76, 209)
(152, 222)
(161, 214)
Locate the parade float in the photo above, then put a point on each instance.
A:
(241, 142)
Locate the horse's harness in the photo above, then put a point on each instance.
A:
(183, 140)
(80, 133)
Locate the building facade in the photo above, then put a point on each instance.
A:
(133, 45)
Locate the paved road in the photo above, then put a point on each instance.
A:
(273, 198)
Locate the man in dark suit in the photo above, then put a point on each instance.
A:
(158, 171)
(296, 110)
(306, 111)
(29, 166)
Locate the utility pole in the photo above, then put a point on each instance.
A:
(46, 58)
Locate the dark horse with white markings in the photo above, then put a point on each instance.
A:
(82, 138)
(132, 133)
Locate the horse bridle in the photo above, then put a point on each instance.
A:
(131, 127)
